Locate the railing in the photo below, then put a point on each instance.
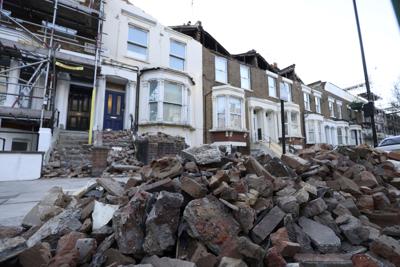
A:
(20, 101)
(67, 39)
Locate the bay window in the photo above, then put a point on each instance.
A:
(339, 110)
(221, 70)
(271, 86)
(244, 77)
(229, 112)
(291, 123)
(177, 55)
(340, 135)
(168, 102)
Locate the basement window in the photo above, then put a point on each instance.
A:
(20, 145)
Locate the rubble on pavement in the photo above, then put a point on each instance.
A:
(322, 207)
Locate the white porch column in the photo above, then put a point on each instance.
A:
(266, 135)
(61, 99)
(317, 136)
(99, 103)
(251, 124)
(12, 87)
(130, 101)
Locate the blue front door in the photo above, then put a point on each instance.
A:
(114, 110)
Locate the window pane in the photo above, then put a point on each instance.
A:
(236, 121)
(172, 113)
(137, 36)
(172, 93)
(221, 69)
(221, 112)
(234, 105)
(176, 63)
(177, 49)
(153, 90)
(109, 104)
(153, 111)
(244, 77)
(19, 146)
(271, 87)
(137, 51)
(119, 100)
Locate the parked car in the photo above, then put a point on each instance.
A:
(390, 144)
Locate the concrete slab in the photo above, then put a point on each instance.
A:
(17, 198)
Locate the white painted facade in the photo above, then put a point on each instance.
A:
(20, 166)
(119, 63)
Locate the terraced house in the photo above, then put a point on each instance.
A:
(241, 97)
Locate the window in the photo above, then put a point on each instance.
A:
(244, 77)
(167, 101)
(153, 100)
(339, 110)
(229, 112)
(311, 132)
(271, 86)
(331, 111)
(177, 55)
(306, 101)
(286, 91)
(346, 136)
(20, 145)
(172, 102)
(235, 111)
(137, 43)
(294, 123)
(221, 73)
(317, 104)
(221, 111)
(3, 87)
(340, 135)
(319, 133)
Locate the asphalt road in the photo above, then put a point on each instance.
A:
(17, 198)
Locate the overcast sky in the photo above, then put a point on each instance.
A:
(319, 36)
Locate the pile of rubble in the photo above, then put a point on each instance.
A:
(322, 207)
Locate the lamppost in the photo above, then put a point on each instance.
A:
(371, 105)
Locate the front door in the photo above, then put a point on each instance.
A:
(114, 110)
(79, 108)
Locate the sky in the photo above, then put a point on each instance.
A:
(319, 36)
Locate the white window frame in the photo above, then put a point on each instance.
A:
(228, 113)
(307, 99)
(22, 140)
(171, 55)
(245, 82)
(135, 55)
(331, 108)
(291, 125)
(318, 104)
(339, 109)
(288, 86)
(160, 100)
(272, 87)
(340, 135)
(311, 132)
(225, 72)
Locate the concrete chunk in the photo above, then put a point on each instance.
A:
(267, 224)
(322, 236)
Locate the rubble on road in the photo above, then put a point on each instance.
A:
(203, 208)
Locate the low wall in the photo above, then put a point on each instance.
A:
(20, 165)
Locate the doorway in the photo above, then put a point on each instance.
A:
(114, 110)
(79, 99)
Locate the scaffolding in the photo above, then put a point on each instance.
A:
(56, 34)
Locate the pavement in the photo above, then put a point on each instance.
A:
(18, 197)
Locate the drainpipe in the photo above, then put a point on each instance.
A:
(136, 125)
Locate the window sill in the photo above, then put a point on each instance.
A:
(166, 124)
(137, 59)
(228, 130)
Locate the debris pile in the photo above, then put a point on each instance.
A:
(321, 207)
